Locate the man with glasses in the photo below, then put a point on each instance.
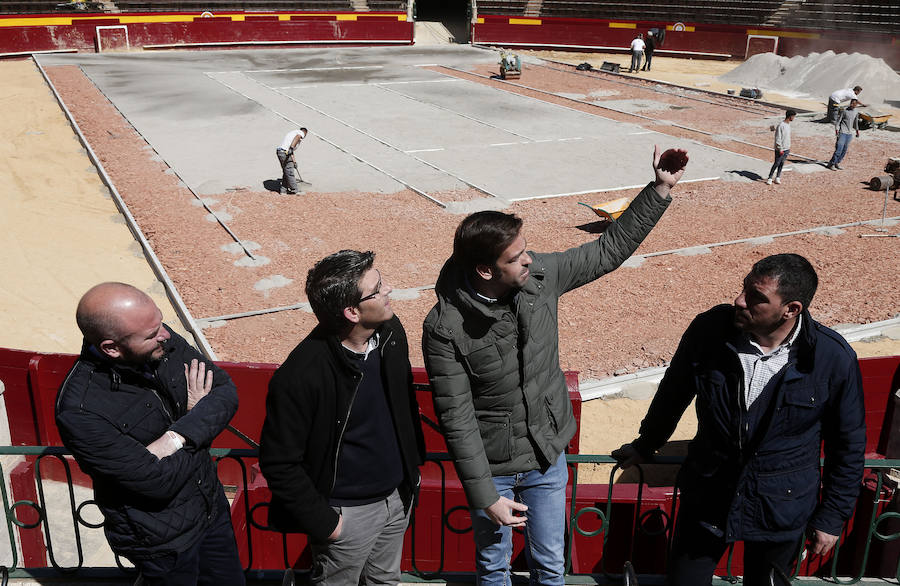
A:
(342, 440)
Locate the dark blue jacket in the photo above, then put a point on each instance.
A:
(107, 412)
(764, 488)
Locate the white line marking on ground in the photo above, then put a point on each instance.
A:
(358, 84)
(409, 81)
(314, 85)
(601, 190)
(424, 150)
(503, 143)
(571, 138)
(245, 71)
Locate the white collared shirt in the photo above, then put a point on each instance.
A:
(372, 345)
(759, 367)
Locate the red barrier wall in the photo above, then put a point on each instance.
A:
(606, 35)
(24, 33)
(31, 379)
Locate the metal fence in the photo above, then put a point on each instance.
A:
(58, 534)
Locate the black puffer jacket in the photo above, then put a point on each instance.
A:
(108, 412)
(309, 400)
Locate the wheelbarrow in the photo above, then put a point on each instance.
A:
(873, 119)
(609, 210)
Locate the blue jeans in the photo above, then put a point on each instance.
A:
(840, 148)
(545, 529)
(779, 162)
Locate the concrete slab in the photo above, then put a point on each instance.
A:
(379, 122)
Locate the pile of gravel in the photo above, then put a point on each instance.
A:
(818, 74)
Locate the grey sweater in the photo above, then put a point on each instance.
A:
(783, 137)
(847, 121)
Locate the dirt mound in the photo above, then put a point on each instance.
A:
(818, 74)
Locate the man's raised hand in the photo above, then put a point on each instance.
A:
(668, 167)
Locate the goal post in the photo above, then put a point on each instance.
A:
(757, 44)
(111, 33)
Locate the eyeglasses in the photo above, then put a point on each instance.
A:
(377, 290)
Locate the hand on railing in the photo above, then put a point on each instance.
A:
(627, 456)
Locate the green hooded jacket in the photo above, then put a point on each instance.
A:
(498, 389)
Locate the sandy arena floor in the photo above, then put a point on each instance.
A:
(628, 320)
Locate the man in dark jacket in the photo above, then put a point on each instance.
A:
(770, 385)
(342, 440)
(139, 411)
(649, 48)
(491, 350)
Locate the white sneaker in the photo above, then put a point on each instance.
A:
(769, 181)
(778, 181)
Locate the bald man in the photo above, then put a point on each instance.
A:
(139, 411)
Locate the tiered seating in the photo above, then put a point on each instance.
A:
(870, 15)
(739, 12)
(43, 6)
(388, 5)
(510, 7)
(226, 5)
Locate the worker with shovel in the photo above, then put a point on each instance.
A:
(289, 168)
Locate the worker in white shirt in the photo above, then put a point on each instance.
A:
(637, 51)
(285, 153)
(838, 97)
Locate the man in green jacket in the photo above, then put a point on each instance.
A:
(491, 347)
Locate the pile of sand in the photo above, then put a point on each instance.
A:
(818, 74)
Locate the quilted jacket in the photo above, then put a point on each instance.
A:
(498, 388)
(107, 412)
